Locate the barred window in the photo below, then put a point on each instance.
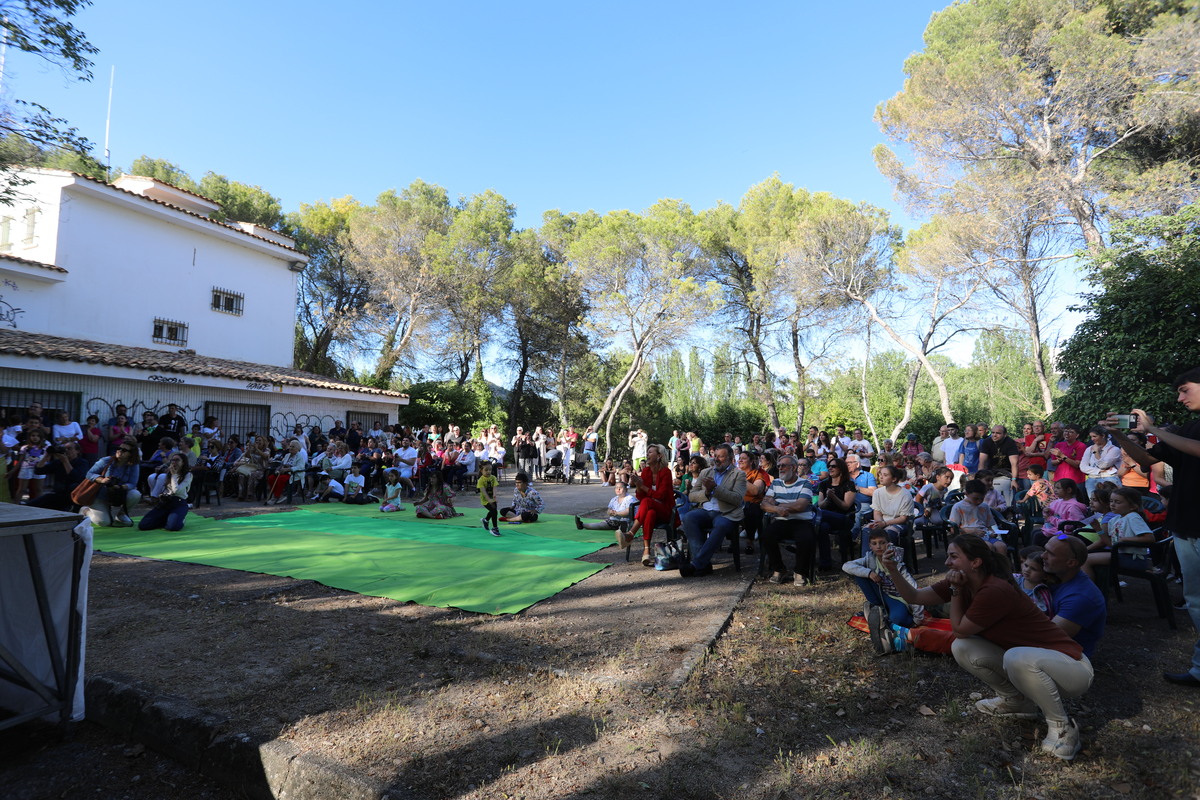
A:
(227, 302)
(169, 331)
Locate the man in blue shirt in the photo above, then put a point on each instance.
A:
(1077, 604)
(865, 485)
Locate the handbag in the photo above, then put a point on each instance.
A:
(668, 556)
(85, 493)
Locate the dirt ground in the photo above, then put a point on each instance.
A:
(571, 698)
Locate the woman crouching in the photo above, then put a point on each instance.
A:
(1003, 639)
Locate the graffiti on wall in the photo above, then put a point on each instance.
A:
(106, 409)
(283, 423)
(9, 313)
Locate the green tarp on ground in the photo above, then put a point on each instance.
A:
(549, 526)
(387, 555)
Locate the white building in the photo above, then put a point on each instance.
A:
(129, 293)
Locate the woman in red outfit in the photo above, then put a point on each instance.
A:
(656, 499)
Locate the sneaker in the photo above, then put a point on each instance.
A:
(123, 520)
(879, 635)
(495, 531)
(578, 523)
(1062, 741)
(1012, 707)
(483, 522)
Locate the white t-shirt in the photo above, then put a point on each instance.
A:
(841, 444)
(864, 450)
(892, 504)
(70, 429)
(405, 469)
(336, 488)
(951, 448)
(619, 506)
(354, 485)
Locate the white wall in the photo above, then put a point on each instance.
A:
(131, 261)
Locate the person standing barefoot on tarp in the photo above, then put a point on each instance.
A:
(487, 496)
(1179, 447)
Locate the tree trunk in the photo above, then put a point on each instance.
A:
(613, 415)
(518, 390)
(764, 380)
(1035, 336)
(862, 390)
(909, 394)
(935, 376)
(319, 348)
(801, 376)
(630, 375)
(562, 389)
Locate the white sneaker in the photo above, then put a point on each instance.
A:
(1063, 741)
(876, 626)
(1012, 707)
(123, 520)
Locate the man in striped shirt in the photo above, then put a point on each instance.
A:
(790, 499)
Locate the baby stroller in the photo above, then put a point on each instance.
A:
(579, 470)
(554, 469)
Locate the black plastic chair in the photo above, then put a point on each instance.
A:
(1155, 575)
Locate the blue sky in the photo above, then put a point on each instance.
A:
(554, 105)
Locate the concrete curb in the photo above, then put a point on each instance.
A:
(266, 769)
(699, 651)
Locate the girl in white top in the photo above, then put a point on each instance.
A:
(891, 505)
(1128, 526)
(170, 501)
(392, 492)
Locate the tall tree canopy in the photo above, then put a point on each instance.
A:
(44, 29)
(1081, 99)
(1143, 324)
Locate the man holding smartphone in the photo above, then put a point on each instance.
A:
(1179, 447)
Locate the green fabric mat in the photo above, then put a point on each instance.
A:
(408, 561)
(512, 538)
(551, 526)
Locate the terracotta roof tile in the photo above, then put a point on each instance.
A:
(38, 345)
(184, 210)
(27, 262)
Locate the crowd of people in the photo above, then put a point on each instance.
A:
(1060, 500)
(167, 462)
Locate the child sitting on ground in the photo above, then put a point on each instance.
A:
(328, 491)
(1033, 579)
(393, 491)
(876, 585)
(356, 487)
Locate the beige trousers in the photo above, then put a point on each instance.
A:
(1044, 676)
